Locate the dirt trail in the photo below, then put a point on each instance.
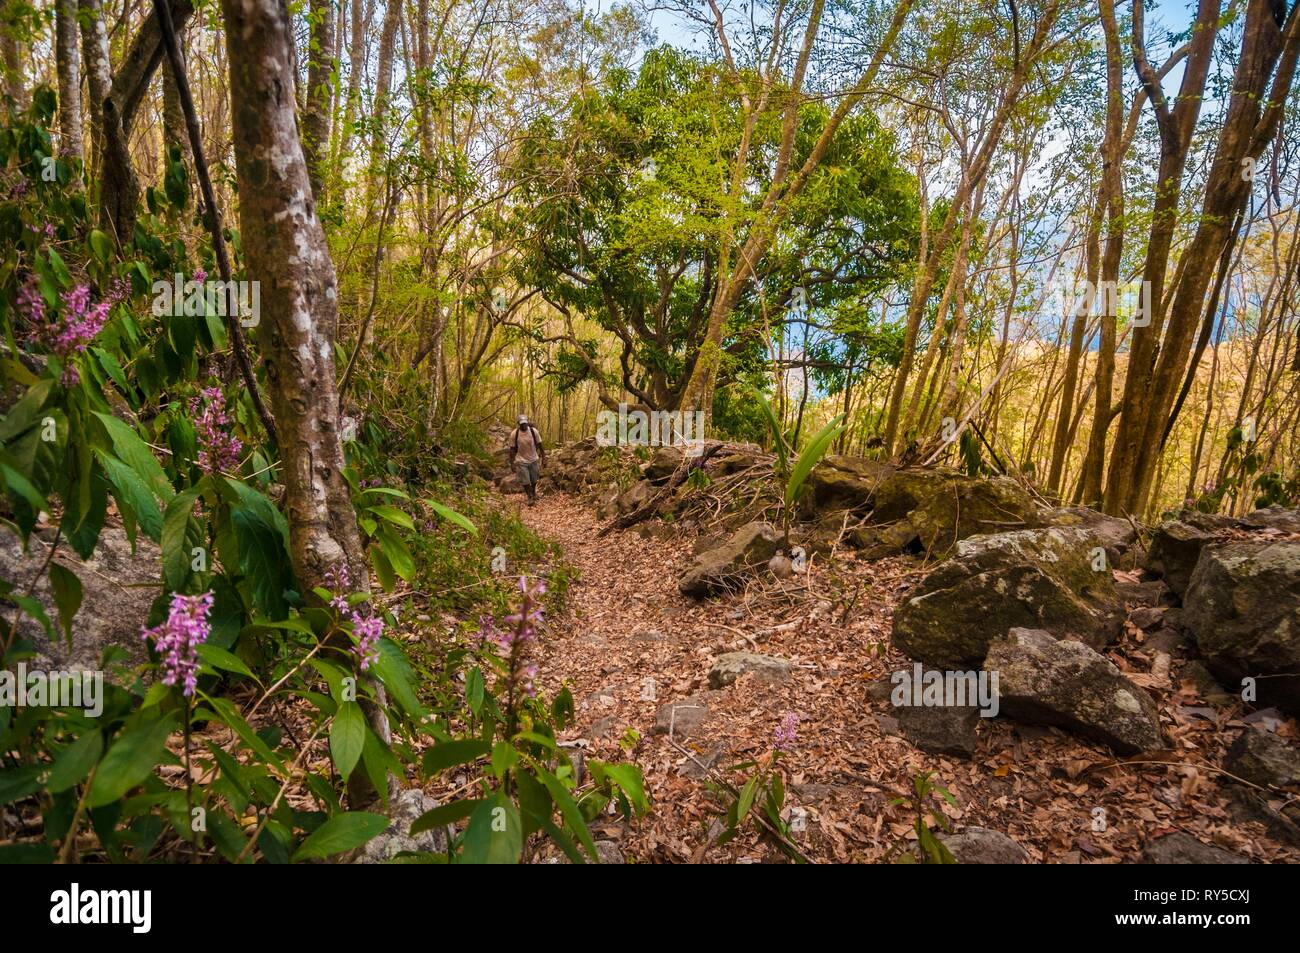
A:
(630, 643)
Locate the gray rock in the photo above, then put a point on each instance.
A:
(939, 507)
(1149, 593)
(979, 845)
(1182, 848)
(1176, 547)
(1263, 758)
(844, 482)
(1064, 683)
(118, 587)
(1243, 608)
(945, 730)
(685, 718)
(1274, 517)
(1147, 617)
(1035, 578)
(732, 665)
(634, 496)
(663, 464)
(1113, 533)
(723, 568)
(406, 809)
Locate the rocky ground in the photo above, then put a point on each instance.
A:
(1115, 742)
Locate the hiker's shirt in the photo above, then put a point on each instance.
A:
(525, 446)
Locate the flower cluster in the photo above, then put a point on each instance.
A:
(78, 325)
(218, 450)
(784, 736)
(178, 639)
(520, 632)
(367, 629)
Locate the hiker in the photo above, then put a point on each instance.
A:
(527, 455)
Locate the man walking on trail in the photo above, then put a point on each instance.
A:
(527, 455)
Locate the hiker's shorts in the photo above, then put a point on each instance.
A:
(528, 472)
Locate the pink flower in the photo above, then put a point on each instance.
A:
(218, 450)
(177, 640)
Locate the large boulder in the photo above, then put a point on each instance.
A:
(1035, 578)
(939, 507)
(1243, 608)
(635, 496)
(732, 665)
(1261, 757)
(663, 464)
(1114, 533)
(1176, 547)
(724, 567)
(1274, 518)
(1049, 681)
(840, 482)
(118, 587)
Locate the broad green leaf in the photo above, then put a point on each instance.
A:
(494, 834)
(66, 588)
(74, 762)
(452, 516)
(130, 760)
(340, 833)
(444, 814)
(347, 737)
(809, 458)
(448, 754)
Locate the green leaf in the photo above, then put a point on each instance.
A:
(340, 833)
(75, 761)
(383, 568)
(130, 760)
(809, 458)
(568, 807)
(347, 737)
(226, 661)
(176, 556)
(393, 515)
(66, 588)
(134, 499)
(229, 715)
(393, 669)
(444, 814)
(495, 834)
(778, 438)
(397, 554)
(135, 453)
(474, 690)
(101, 245)
(452, 516)
(450, 753)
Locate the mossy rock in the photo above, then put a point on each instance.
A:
(1034, 578)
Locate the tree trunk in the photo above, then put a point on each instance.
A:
(286, 251)
(99, 78)
(68, 66)
(316, 117)
(11, 50)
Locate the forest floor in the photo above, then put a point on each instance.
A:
(629, 644)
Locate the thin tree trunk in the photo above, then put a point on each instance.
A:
(68, 66)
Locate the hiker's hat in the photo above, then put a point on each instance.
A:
(523, 419)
